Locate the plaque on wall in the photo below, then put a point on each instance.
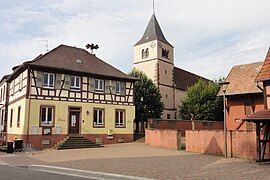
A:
(47, 131)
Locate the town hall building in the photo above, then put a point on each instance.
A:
(154, 55)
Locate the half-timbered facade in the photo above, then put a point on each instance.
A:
(69, 91)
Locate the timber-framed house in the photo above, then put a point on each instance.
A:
(69, 91)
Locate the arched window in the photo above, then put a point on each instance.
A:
(146, 53)
(165, 53)
(143, 54)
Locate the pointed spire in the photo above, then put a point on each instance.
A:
(153, 32)
(264, 73)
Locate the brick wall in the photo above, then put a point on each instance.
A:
(241, 144)
(184, 125)
(165, 138)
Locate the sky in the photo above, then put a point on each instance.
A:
(209, 36)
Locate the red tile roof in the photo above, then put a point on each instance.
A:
(72, 59)
(263, 115)
(264, 74)
(241, 79)
(184, 79)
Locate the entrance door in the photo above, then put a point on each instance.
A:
(74, 118)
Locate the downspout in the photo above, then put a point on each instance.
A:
(29, 87)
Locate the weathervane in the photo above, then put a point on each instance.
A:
(92, 47)
(153, 6)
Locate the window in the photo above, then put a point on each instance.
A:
(75, 82)
(145, 53)
(98, 117)
(46, 115)
(19, 116)
(119, 118)
(48, 80)
(4, 94)
(165, 53)
(248, 108)
(99, 84)
(118, 87)
(11, 117)
(2, 116)
(168, 116)
(13, 87)
(1, 96)
(79, 61)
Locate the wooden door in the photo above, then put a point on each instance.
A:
(74, 118)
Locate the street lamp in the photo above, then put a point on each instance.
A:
(224, 86)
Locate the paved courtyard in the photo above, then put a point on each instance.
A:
(138, 159)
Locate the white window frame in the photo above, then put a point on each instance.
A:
(99, 88)
(75, 86)
(118, 122)
(46, 122)
(118, 87)
(99, 122)
(47, 84)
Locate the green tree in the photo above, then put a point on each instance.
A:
(202, 102)
(148, 103)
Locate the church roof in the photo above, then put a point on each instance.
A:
(153, 32)
(184, 79)
(264, 73)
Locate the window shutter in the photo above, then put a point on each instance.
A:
(92, 85)
(39, 79)
(113, 87)
(67, 82)
(123, 88)
(107, 86)
(58, 81)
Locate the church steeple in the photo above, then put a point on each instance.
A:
(153, 32)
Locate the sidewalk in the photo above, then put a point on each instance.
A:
(140, 160)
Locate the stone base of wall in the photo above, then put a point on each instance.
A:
(165, 138)
(241, 144)
(48, 141)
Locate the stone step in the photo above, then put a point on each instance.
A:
(76, 142)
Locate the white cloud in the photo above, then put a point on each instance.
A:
(209, 36)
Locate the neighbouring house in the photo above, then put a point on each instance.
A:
(243, 95)
(3, 107)
(69, 91)
(154, 55)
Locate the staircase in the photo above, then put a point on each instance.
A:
(76, 142)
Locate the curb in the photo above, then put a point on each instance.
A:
(82, 173)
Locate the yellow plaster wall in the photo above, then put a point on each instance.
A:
(23, 124)
(61, 116)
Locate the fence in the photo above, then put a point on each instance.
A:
(184, 125)
(241, 144)
(165, 138)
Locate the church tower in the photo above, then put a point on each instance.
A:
(153, 55)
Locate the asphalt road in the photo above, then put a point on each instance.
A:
(16, 173)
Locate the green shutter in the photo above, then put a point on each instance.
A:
(107, 86)
(113, 87)
(67, 82)
(39, 79)
(58, 81)
(92, 85)
(123, 88)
